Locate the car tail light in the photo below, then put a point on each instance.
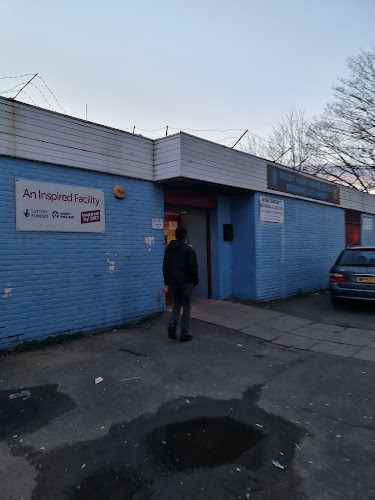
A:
(336, 278)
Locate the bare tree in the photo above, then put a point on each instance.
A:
(339, 145)
(343, 137)
(288, 144)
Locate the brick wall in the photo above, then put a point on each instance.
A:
(298, 254)
(244, 271)
(221, 251)
(52, 283)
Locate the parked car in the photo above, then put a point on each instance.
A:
(353, 275)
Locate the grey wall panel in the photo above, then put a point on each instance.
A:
(37, 134)
(167, 158)
(355, 200)
(207, 161)
(33, 133)
(215, 163)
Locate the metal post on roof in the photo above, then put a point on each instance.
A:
(166, 131)
(282, 154)
(239, 139)
(36, 74)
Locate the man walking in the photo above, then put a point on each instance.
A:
(180, 271)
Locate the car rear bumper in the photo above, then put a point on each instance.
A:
(351, 293)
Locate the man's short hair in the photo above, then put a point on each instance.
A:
(181, 232)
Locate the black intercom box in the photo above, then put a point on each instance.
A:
(228, 232)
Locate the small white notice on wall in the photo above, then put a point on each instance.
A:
(157, 224)
(271, 210)
(46, 206)
(367, 222)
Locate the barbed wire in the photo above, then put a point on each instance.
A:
(208, 130)
(12, 89)
(134, 128)
(145, 130)
(227, 138)
(19, 76)
(52, 94)
(44, 97)
(30, 98)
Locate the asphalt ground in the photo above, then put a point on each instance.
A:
(319, 307)
(206, 419)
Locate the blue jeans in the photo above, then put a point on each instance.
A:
(181, 298)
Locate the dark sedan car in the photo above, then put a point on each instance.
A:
(353, 275)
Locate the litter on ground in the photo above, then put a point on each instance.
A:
(277, 464)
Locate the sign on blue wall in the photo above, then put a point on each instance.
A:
(292, 182)
(46, 206)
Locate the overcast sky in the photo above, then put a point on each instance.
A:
(206, 64)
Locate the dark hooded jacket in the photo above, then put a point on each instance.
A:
(180, 264)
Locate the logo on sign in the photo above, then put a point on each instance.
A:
(55, 214)
(91, 216)
(27, 213)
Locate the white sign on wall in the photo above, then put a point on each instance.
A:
(45, 206)
(367, 222)
(271, 209)
(157, 223)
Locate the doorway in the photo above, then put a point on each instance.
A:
(196, 222)
(352, 227)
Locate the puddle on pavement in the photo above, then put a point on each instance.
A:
(184, 450)
(113, 484)
(203, 442)
(23, 410)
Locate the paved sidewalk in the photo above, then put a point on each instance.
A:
(286, 330)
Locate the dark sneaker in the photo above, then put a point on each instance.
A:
(172, 331)
(185, 337)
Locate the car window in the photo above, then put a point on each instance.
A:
(357, 258)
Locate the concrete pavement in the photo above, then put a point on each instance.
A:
(206, 419)
(286, 330)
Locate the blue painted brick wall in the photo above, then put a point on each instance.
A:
(214, 253)
(53, 283)
(298, 254)
(221, 251)
(244, 271)
(368, 237)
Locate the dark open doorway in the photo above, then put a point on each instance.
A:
(196, 222)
